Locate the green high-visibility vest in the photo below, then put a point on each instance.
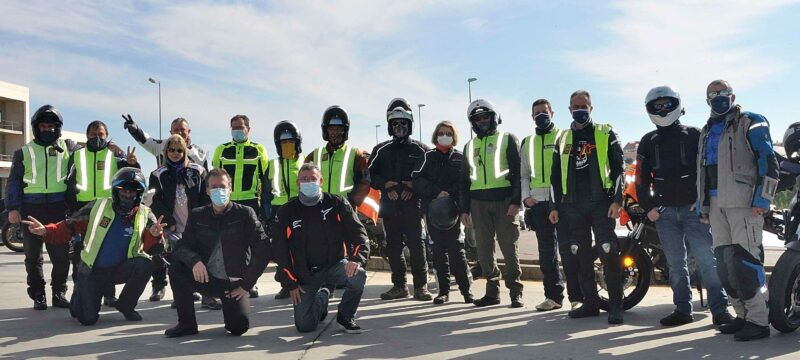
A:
(539, 150)
(601, 136)
(93, 172)
(283, 173)
(488, 164)
(337, 169)
(46, 168)
(100, 219)
(241, 168)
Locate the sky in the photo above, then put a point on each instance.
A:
(290, 60)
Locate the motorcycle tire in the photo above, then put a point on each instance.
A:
(12, 237)
(784, 292)
(643, 266)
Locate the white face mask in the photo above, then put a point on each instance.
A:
(444, 140)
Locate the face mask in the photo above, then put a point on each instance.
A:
(310, 189)
(484, 127)
(444, 140)
(581, 116)
(96, 143)
(542, 120)
(219, 196)
(720, 105)
(400, 131)
(238, 135)
(126, 204)
(287, 150)
(48, 137)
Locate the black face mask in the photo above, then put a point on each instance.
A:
(48, 137)
(96, 143)
(126, 204)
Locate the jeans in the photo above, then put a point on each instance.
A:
(85, 302)
(308, 313)
(678, 227)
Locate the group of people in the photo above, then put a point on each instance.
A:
(214, 231)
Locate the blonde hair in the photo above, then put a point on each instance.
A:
(176, 139)
(451, 126)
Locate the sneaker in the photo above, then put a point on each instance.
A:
(157, 295)
(574, 305)
(441, 298)
(181, 330)
(283, 294)
(751, 331)
(547, 305)
(423, 294)
(349, 326)
(677, 318)
(516, 301)
(486, 301)
(468, 298)
(584, 311)
(110, 301)
(722, 318)
(253, 292)
(733, 326)
(396, 292)
(39, 302)
(211, 303)
(60, 300)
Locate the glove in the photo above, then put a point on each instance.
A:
(129, 124)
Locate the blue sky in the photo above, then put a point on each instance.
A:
(280, 60)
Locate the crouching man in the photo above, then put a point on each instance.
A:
(117, 233)
(318, 240)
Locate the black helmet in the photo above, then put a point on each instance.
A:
(46, 114)
(335, 115)
(791, 139)
(442, 213)
(286, 130)
(399, 109)
(128, 178)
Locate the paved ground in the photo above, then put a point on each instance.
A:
(399, 329)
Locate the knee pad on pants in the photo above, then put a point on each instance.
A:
(749, 273)
(609, 255)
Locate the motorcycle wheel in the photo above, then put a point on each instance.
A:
(784, 292)
(635, 279)
(12, 237)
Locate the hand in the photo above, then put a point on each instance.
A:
(158, 228)
(553, 217)
(408, 184)
(406, 195)
(392, 195)
(34, 226)
(14, 217)
(653, 214)
(613, 210)
(131, 157)
(129, 124)
(296, 294)
(389, 184)
(704, 219)
(513, 210)
(466, 220)
(758, 211)
(236, 294)
(443, 194)
(351, 268)
(200, 273)
(115, 149)
(529, 201)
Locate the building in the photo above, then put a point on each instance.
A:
(629, 151)
(14, 125)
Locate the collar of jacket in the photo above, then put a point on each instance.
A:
(545, 131)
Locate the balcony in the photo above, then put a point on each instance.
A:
(10, 127)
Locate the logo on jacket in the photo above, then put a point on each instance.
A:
(297, 223)
(105, 222)
(325, 213)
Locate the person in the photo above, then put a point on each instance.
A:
(118, 233)
(586, 177)
(390, 169)
(666, 188)
(491, 199)
(223, 252)
(437, 181)
(281, 184)
(178, 187)
(537, 157)
(247, 163)
(179, 126)
(91, 169)
(37, 187)
(319, 240)
(736, 182)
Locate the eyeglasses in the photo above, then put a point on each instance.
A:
(398, 123)
(724, 92)
(444, 133)
(174, 151)
(665, 106)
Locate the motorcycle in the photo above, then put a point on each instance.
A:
(11, 233)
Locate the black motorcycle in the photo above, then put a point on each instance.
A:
(12, 233)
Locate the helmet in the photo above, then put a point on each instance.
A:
(442, 213)
(479, 107)
(127, 178)
(399, 109)
(791, 139)
(285, 130)
(46, 114)
(663, 114)
(335, 115)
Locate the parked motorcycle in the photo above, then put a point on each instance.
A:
(12, 233)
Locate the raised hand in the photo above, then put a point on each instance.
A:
(131, 156)
(129, 124)
(158, 228)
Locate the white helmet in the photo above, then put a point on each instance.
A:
(667, 113)
(479, 107)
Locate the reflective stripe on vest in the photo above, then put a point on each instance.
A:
(100, 220)
(45, 168)
(540, 157)
(281, 195)
(91, 190)
(601, 136)
(497, 165)
(338, 174)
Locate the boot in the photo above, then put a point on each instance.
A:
(733, 326)
(158, 294)
(468, 297)
(442, 298)
(422, 294)
(586, 310)
(181, 330)
(486, 301)
(40, 302)
(396, 292)
(751, 331)
(60, 300)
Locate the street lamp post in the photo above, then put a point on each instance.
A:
(376, 133)
(469, 88)
(154, 81)
(419, 112)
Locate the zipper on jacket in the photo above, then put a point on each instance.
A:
(730, 152)
(94, 173)
(46, 167)
(484, 162)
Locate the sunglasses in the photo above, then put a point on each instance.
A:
(175, 151)
(714, 94)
